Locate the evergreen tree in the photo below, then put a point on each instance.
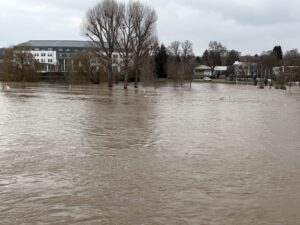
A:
(161, 61)
(278, 52)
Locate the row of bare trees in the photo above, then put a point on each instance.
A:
(181, 60)
(19, 64)
(128, 29)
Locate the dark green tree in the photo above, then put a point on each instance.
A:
(278, 52)
(161, 61)
(198, 59)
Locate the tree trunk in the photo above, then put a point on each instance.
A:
(183, 75)
(136, 78)
(23, 74)
(117, 77)
(110, 80)
(126, 79)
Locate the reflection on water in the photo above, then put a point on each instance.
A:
(215, 154)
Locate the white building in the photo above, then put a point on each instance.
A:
(56, 55)
(205, 71)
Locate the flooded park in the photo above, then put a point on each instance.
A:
(213, 154)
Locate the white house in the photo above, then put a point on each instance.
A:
(205, 71)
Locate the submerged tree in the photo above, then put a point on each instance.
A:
(186, 58)
(24, 61)
(85, 69)
(128, 29)
(144, 24)
(174, 61)
(148, 68)
(101, 26)
(126, 40)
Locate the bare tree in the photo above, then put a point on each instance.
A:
(7, 66)
(148, 68)
(23, 59)
(126, 41)
(101, 26)
(187, 54)
(212, 56)
(174, 61)
(174, 49)
(292, 58)
(84, 67)
(144, 22)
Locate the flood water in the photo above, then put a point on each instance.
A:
(214, 154)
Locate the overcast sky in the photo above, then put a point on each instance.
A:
(249, 26)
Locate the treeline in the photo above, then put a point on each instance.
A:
(129, 29)
(18, 64)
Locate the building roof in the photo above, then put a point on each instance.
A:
(58, 43)
(220, 68)
(239, 63)
(202, 67)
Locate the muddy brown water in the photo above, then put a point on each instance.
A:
(214, 154)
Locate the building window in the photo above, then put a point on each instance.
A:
(51, 68)
(42, 60)
(49, 54)
(49, 60)
(60, 49)
(36, 54)
(43, 54)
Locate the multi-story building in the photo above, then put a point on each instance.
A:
(56, 55)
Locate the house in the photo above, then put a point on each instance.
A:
(245, 69)
(220, 71)
(205, 71)
(202, 71)
(56, 56)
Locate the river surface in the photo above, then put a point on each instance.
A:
(214, 154)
